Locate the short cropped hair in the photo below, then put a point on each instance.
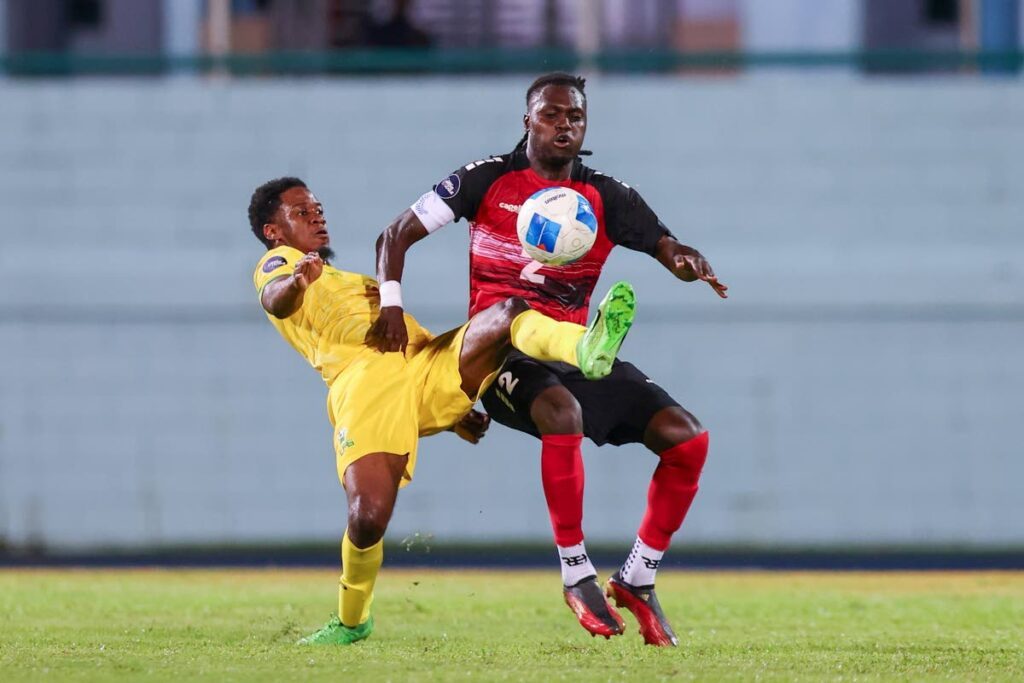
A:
(557, 78)
(266, 200)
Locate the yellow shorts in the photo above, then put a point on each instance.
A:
(383, 403)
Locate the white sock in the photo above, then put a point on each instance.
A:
(641, 565)
(576, 564)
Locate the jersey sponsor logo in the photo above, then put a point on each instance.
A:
(449, 187)
(273, 263)
(344, 443)
(514, 208)
(507, 382)
(575, 560)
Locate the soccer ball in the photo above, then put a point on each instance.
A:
(556, 226)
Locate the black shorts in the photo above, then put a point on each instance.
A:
(616, 408)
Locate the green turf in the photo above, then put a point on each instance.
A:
(469, 626)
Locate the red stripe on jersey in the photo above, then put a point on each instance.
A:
(499, 269)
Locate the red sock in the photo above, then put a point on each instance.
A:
(672, 489)
(561, 471)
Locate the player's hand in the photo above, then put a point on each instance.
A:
(473, 426)
(388, 333)
(307, 270)
(690, 265)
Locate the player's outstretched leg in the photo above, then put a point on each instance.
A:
(599, 346)
(513, 324)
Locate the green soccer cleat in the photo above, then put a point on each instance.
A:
(336, 633)
(600, 344)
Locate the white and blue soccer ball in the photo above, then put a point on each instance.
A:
(556, 226)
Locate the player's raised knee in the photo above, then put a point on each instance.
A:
(671, 427)
(688, 427)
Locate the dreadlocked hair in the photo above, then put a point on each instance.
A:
(554, 78)
(266, 200)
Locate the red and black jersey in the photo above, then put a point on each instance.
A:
(488, 194)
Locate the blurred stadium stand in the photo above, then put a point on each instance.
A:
(862, 385)
(328, 36)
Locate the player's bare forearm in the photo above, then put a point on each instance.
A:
(388, 333)
(283, 296)
(688, 264)
(394, 241)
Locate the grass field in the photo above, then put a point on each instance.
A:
(510, 626)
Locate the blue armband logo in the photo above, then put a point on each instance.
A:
(449, 187)
(274, 263)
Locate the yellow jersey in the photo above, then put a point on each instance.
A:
(329, 329)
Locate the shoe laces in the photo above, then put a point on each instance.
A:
(332, 624)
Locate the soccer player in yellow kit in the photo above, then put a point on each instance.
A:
(380, 403)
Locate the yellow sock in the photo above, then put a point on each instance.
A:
(359, 567)
(540, 337)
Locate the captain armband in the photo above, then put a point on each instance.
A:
(432, 211)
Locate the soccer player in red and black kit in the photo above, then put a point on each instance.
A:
(550, 400)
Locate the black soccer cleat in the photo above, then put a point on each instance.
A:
(592, 609)
(643, 603)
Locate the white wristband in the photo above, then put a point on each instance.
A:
(391, 293)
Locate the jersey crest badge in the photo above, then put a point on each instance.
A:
(344, 443)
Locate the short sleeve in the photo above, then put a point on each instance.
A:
(274, 264)
(629, 221)
(458, 195)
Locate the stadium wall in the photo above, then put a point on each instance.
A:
(862, 384)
